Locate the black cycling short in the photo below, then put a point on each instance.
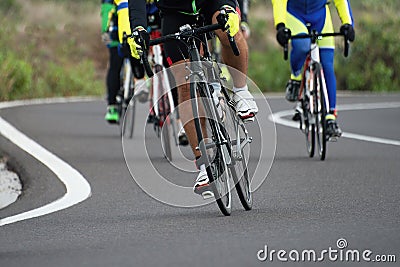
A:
(171, 20)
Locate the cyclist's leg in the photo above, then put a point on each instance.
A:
(327, 46)
(298, 54)
(182, 137)
(113, 84)
(113, 75)
(246, 107)
(175, 53)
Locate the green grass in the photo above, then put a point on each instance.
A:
(46, 53)
(53, 48)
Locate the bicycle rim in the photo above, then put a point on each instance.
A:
(217, 169)
(128, 117)
(240, 150)
(122, 124)
(165, 127)
(127, 108)
(320, 115)
(309, 126)
(132, 109)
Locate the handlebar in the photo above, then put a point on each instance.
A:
(315, 35)
(185, 32)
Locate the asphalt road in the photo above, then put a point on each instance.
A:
(304, 204)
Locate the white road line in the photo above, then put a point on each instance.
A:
(278, 118)
(77, 188)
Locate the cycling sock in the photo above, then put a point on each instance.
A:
(296, 78)
(333, 112)
(236, 89)
(202, 168)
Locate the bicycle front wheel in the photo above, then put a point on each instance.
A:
(307, 121)
(240, 146)
(320, 113)
(212, 144)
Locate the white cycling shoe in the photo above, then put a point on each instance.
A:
(202, 185)
(246, 107)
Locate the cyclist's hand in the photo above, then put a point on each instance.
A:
(283, 34)
(138, 42)
(105, 38)
(348, 31)
(124, 50)
(232, 24)
(244, 26)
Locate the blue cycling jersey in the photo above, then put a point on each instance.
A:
(306, 6)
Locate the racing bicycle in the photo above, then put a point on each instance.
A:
(126, 103)
(224, 142)
(163, 107)
(313, 95)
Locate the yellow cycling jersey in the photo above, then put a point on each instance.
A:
(123, 18)
(280, 8)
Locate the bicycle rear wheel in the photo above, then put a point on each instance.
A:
(128, 116)
(320, 113)
(128, 104)
(165, 125)
(213, 145)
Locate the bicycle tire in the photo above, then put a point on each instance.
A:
(320, 112)
(240, 155)
(217, 170)
(128, 103)
(131, 111)
(307, 122)
(165, 126)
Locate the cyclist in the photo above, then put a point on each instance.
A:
(153, 27)
(292, 17)
(175, 14)
(114, 21)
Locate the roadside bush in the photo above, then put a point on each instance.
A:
(15, 77)
(266, 65)
(268, 70)
(78, 80)
(375, 57)
(8, 5)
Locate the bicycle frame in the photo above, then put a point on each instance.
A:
(163, 104)
(128, 81)
(315, 59)
(158, 64)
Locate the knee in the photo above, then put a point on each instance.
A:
(301, 46)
